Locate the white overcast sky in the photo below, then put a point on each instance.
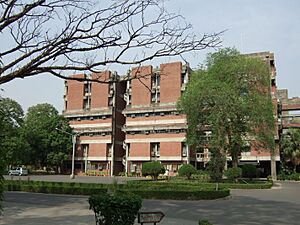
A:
(252, 26)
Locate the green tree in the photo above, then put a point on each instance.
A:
(216, 165)
(12, 146)
(11, 116)
(46, 142)
(233, 174)
(152, 169)
(290, 145)
(187, 170)
(230, 96)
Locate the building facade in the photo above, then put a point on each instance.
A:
(134, 119)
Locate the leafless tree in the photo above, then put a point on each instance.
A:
(62, 37)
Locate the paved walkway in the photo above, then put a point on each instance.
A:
(278, 206)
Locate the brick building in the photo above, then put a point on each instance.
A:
(126, 123)
(132, 121)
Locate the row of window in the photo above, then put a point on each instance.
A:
(154, 149)
(163, 131)
(133, 115)
(79, 118)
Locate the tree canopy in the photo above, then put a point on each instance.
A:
(229, 97)
(290, 145)
(47, 144)
(12, 144)
(64, 37)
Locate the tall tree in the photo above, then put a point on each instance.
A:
(290, 145)
(39, 130)
(11, 116)
(64, 36)
(12, 146)
(230, 96)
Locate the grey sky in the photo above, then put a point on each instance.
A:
(252, 26)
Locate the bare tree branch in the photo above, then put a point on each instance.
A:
(62, 37)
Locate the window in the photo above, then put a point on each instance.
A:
(128, 149)
(155, 149)
(110, 101)
(184, 149)
(108, 149)
(86, 103)
(66, 105)
(87, 88)
(155, 85)
(85, 149)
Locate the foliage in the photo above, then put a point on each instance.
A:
(216, 166)
(290, 145)
(152, 169)
(115, 209)
(12, 145)
(233, 173)
(47, 144)
(187, 170)
(294, 176)
(230, 95)
(204, 222)
(201, 176)
(56, 159)
(249, 171)
(59, 37)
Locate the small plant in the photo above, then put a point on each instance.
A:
(204, 222)
(116, 209)
(294, 176)
(249, 171)
(152, 169)
(233, 174)
(187, 170)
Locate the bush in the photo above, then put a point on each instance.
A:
(181, 194)
(204, 222)
(187, 170)
(120, 208)
(216, 167)
(249, 171)
(233, 174)
(294, 176)
(152, 169)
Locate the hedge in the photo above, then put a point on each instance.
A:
(200, 185)
(181, 192)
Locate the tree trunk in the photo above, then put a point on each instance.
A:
(234, 157)
(273, 165)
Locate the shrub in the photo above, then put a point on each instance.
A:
(249, 171)
(294, 176)
(120, 208)
(233, 174)
(216, 167)
(204, 222)
(152, 169)
(187, 170)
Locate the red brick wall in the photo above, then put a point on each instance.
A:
(170, 82)
(100, 91)
(97, 150)
(170, 149)
(75, 93)
(139, 150)
(141, 95)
